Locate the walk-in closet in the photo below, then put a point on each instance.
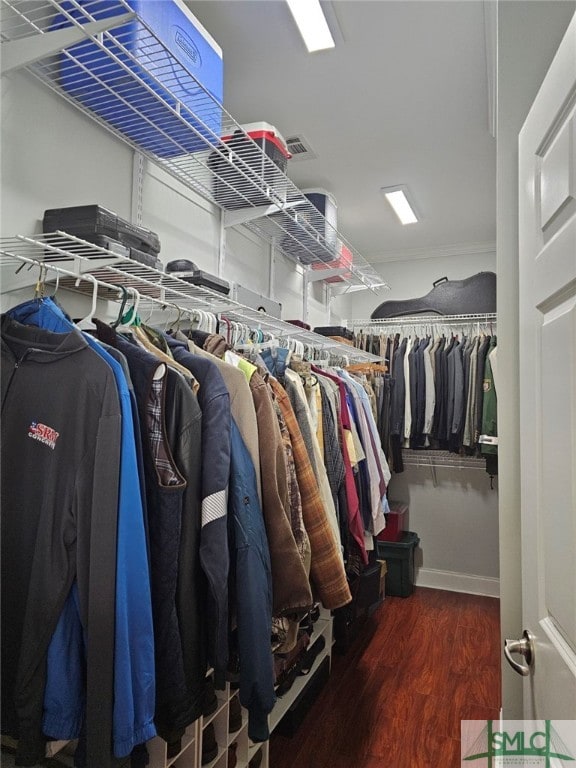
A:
(288, 381)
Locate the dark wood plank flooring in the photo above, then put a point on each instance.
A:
(419, 666)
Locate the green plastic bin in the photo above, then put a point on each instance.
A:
(399, 556)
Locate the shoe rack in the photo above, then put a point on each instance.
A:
(232, 748)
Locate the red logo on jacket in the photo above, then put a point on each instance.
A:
(43, 434)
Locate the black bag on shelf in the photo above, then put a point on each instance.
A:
(88, 221)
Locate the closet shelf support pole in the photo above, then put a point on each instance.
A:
(138, 172)
(272, 273)
(21, 53)
(222, 245)
(305, 285)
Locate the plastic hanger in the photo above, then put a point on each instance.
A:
(124, 294)
(175, 324)
(130, 317)
(86, 324)
(228, 328)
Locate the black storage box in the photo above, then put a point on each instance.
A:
(243, 165)
(334, 330)
(114, 246)
(89, 221)
(300, 706)
(326, 204)
(186, 270)
(399, 556)
(313, 238)
(349, 620)
(206, 280)
(149, 259)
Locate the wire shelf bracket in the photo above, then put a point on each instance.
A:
(29, 50)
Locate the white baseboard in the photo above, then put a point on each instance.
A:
(458, 582)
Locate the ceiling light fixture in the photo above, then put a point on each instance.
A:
(312, 24)
(398, 197)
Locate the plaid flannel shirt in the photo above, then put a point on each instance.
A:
(327, 568)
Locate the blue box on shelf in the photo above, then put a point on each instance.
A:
(163, 90)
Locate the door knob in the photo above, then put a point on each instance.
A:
(525, 647)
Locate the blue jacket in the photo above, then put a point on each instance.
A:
(134, 676)
(253, 576)
(214, 401)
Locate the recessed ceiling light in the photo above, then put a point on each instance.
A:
(312, 24)
(403, 208)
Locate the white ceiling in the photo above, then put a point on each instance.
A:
(402, 99)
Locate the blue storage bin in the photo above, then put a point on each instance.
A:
(183, 67)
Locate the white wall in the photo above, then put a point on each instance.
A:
(52, 156)
(455, 514)
(528, 35)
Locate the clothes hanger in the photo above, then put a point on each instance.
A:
(40, 286)
(57, 285)
(169, 324)
(228, 328)
(130, 318)
(124, 294)
(86, 324)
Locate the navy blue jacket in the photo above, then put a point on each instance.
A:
(214, 402)
(250, 560)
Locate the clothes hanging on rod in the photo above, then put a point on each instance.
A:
(435, 392)
(91, 447)
(350, 465)
(216, 489)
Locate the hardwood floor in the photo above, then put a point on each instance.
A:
(395, 700)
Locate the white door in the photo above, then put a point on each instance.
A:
(548, 389)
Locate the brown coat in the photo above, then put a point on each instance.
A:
(290, 584)
(327, 569)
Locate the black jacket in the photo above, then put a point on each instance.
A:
(61, 428)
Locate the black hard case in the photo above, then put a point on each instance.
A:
(473, 295)
(88, 221)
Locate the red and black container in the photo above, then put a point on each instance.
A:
(246, 175)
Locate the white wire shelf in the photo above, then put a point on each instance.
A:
(430, 457)
(106, 61)
(428, 319)
(72, 257)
